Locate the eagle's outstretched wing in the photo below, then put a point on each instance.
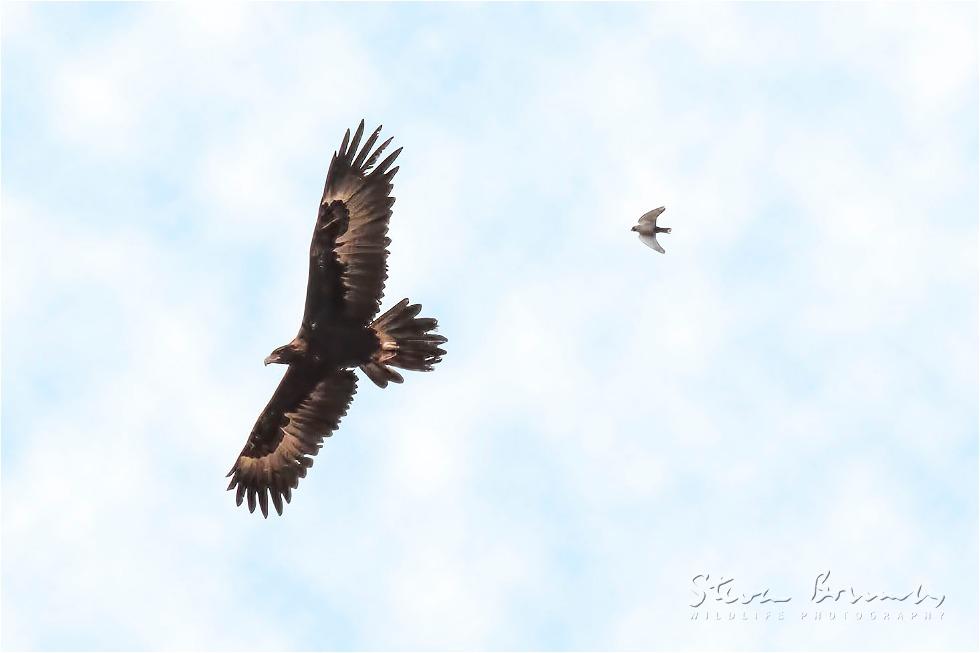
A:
(348, 259)
(305, 408)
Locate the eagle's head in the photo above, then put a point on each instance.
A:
(635, 227)
(291, 353)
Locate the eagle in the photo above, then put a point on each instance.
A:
(339, 331)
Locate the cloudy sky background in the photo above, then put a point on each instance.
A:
(791, 389)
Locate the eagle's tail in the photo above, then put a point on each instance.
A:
(406, 341)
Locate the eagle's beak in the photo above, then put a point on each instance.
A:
(634, 227)
(271, 358)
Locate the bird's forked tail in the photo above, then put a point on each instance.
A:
(406, 341)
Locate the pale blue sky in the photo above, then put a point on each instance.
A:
(791, 389)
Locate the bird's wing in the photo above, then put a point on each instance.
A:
(348, 259)
(651, 216)
(651, 241)
(305, 409)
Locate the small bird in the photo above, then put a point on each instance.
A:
(648, 229)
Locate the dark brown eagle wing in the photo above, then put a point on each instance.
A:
(305, 409)
(348, 259)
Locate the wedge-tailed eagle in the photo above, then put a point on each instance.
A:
(348, 268)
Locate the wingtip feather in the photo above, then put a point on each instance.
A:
(264, 502)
